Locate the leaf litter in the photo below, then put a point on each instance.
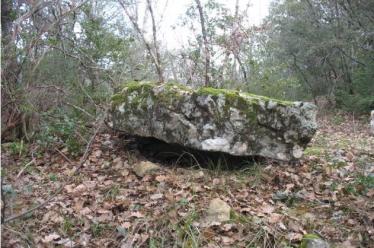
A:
(271, 205)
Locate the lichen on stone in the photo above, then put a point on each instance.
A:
(212, 119)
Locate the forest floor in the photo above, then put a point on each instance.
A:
(330, 193)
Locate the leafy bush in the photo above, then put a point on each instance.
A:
(62, 129)
(17, 147)
(362, 101)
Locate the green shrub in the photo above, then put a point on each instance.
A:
(362, 99)
(18, 148)
(64, 130)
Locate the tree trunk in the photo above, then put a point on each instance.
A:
(155, 56)
(157, 52)
(206, 44)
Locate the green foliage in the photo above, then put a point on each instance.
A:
(67, 226)
(97, 229)
(317, 48)
(18, 148)
(362, 99)
(62, 130)
(53, 177)
(306, 238)
(360, 185)
(188, 234)
(112, 193)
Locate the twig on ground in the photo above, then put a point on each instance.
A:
(25, 167)
(64, 156)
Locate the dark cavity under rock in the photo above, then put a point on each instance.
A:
(156, 150)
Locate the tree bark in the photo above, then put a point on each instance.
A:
(155, 58)
(205, 42)
(157, 52)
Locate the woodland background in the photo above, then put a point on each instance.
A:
(61, 60)
(69, 180)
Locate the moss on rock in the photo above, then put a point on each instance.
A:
(216, 119)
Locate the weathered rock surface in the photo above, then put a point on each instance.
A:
(313, 241)
(144, 168)
(219, 120)
(218, 211)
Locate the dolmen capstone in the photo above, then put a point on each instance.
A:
(219, 120)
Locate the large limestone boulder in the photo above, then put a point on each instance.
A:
(228, 121)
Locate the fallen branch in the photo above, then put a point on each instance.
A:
(64, 156)
(59, 190)
(25, 167)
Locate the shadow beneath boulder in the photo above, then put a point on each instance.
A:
(158, 151)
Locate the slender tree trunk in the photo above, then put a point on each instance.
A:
(241, 65)
(6, 20)
(157, 52)
(155, 56)
(205, 42)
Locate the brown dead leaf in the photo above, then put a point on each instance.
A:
(125, 172)
(227, 240)
(292, 236)
(228, 227)
(156, 196)
(69, 188)
(126, 225)
(79, 189)
(85, 211)
(267, 209)
(294, 226)
(105, 217)
(84, 239)
(65, 242)
(97, 153)
(274, 218)
(349, 156)
(370, 193)
(50, 237)
(137, 214)
(208, 233)
(216, 181)
(161, 178)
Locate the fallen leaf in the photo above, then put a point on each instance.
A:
(69, 188)
(267, 209)
(137, 214)
(126, 225)
(50, 237)
(156, 196)
(274, 218)
(294, 236)
(84, 239)
(161, 178)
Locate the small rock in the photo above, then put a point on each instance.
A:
(144, 168)
(280, 196)
(338, 158)
(313, 241)
(105, 165)
(199, 175)
(218, 211)
(7, 188)
(118, 163)
(107, 143)
(338, 215)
